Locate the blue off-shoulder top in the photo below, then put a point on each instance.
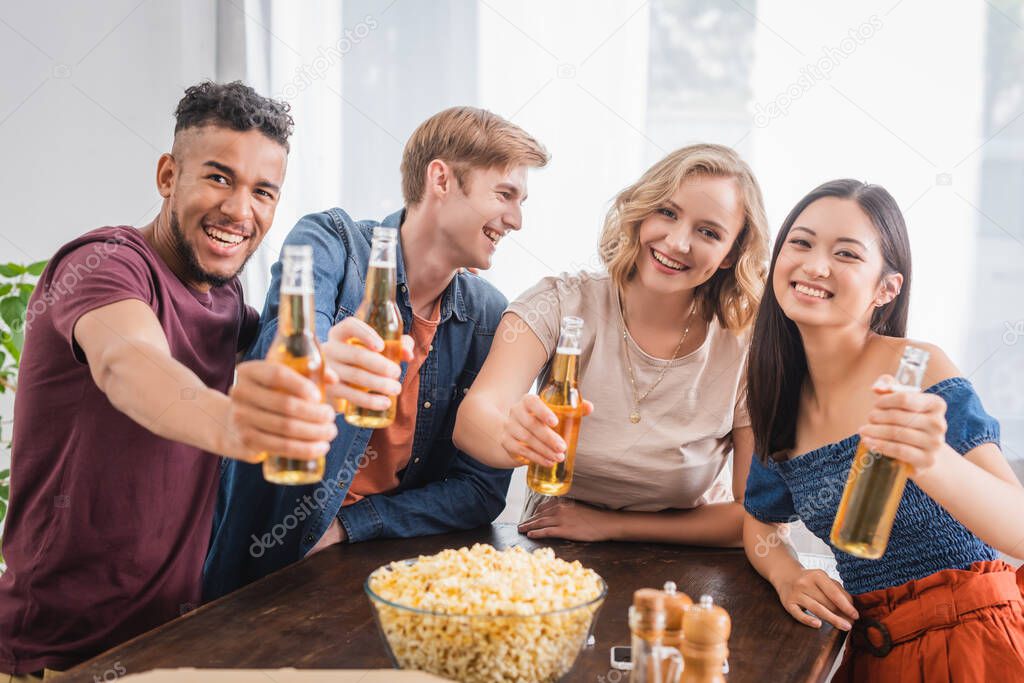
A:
(925, 537)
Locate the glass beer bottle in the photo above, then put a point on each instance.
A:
(562, 395)
(380, 312)
(295, 345)
(876, 482)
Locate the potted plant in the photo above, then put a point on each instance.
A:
(16, 285)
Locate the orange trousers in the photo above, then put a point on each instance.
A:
(955, 626)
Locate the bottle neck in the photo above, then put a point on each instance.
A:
(381, 283)
(565, 369)
(909, 376)
(296, 314)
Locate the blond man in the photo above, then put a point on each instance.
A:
(464, 178)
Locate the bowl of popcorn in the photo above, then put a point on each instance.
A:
(481, 614)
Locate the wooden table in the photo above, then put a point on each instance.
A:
(314, 614)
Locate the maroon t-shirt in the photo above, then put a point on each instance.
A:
(108, 523)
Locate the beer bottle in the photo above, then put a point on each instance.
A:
(379, 310)
(875, 485)
(562, 395)
(295, 345)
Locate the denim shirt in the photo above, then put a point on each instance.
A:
(925, 538)
(260, 527)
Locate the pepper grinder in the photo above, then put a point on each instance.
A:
(706, 629)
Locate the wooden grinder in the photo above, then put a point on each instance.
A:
(675, 606)
(706, 628)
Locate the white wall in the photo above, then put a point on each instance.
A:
(86, 108)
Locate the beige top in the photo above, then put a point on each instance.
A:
(678, 455)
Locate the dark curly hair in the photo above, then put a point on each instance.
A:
(234, 105)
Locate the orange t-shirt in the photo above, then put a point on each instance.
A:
(389, 449)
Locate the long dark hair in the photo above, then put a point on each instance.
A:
(778, 366)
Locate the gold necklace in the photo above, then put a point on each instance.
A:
(634, 416)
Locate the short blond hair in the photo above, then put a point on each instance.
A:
(732, 294)
(465, 138)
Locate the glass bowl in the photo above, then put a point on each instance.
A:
(473, 648)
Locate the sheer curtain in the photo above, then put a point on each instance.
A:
(293, 52)
(574, 74)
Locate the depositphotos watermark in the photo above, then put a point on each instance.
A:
(1014, 332)
(826, 499)
(71, 276)
(815, 72)
(111, 674)
(326, 58)
(308, 504)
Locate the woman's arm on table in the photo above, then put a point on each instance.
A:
(769, 551)
(713, 524)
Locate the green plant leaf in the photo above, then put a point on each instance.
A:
(36, 268)
(5, 492)
(11, 269)
(5, 288)
(3, 510)
(5, 474)
(27, 286)
(19, 342)
(9, 343)
(12, 310)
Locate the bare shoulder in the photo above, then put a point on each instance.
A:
(940, 366)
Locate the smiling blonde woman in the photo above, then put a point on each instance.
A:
(663, 351)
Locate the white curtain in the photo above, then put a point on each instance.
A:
(292, 52)
(575, 75)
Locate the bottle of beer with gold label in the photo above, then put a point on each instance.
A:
(562, 395)
(875, 485)
(380, 312)
(295, 345)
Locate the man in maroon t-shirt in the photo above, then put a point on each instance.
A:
(131, 343)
